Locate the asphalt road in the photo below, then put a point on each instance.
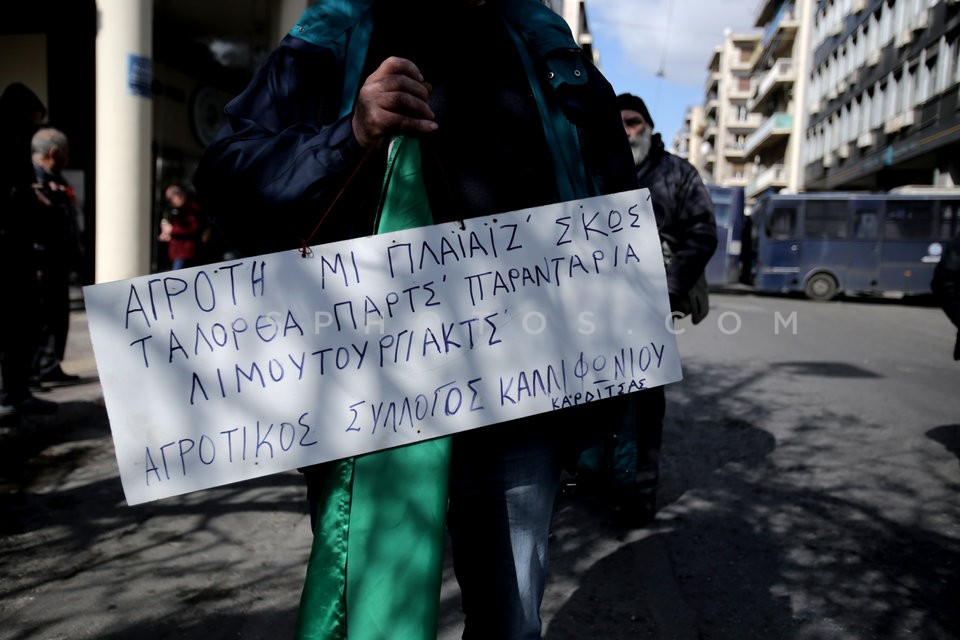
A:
(810, 491)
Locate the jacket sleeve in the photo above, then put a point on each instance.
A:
(693, 238)
(185, 225)
(283, 153)
(604, 145)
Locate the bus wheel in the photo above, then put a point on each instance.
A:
(821, 287)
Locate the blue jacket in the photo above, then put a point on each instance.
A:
(288, 147)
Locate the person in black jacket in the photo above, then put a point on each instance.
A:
(21, 113)
(946, 286)
(688, 233)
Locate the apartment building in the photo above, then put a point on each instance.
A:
(708, 152)
(688, 140)
(728, 120)
(883, 97)
(575, 14)
(779, 82)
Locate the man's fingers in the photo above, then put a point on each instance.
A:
(392, 100)
(397, 66)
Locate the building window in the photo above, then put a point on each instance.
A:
(886, 24)
(946, 70)
(927, 72)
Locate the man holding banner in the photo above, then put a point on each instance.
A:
(371, 117)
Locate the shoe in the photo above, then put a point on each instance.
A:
(58, 377)
(35, 406)
(36, 386)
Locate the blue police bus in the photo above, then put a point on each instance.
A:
(728, 209)
(825, 244)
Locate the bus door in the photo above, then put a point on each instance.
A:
(778, 247)
(864, 270)
(716, 269)
(908, 230)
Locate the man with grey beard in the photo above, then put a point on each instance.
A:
(629, 464)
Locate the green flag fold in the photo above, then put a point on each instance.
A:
(376, 563)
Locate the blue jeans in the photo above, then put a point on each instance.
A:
(503, 483)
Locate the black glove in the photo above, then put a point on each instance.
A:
(679, 303)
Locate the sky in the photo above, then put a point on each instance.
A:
(637, 39)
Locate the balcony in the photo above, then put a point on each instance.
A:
(782, 27)
(902, 120)
(867, 139)
(774, 128)
(734, 151)
(774, 177)
(710, 131)
(710, 107)
(740, 124)
(737, 93)
(783, 72)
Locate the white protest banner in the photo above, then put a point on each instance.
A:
(239, 369)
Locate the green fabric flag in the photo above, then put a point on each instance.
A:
(376, 563)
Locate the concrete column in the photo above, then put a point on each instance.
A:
(124, 133)
(801, 59)
(287, 12)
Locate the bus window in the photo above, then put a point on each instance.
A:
(825, 219)
(949, 213)
(909, 220)
(782, 224)
(721, 213)
(865, 224)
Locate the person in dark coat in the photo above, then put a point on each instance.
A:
(21, 113)
(183, 230)
(58, 251)
(946, 286)
(681, 202)
(688, 232)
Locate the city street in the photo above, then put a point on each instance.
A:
(811, 467)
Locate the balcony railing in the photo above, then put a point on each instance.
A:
(783, 71)
(775, 176)
(784, 15)
(752, 121)
(778, 124)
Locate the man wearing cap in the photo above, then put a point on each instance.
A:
(688, 234)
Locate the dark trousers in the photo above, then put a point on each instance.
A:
(649, 409)
(18, 323)
(54, 321)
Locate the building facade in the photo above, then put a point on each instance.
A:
(688, 141)
(780, 69)
(729, 122)
(883, 99)
(843, 95)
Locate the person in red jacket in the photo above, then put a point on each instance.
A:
(183, 230)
